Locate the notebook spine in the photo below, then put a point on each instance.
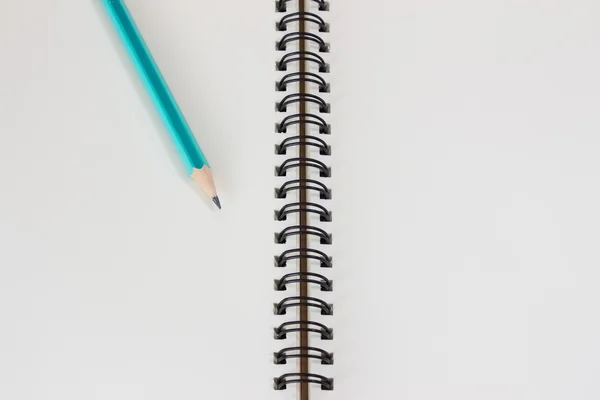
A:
(302, 129)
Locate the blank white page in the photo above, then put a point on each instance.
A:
(118, 281)
(465, 158)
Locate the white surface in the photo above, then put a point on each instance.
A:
(116, 280)
(472, 273)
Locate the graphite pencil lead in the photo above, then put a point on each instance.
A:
(217, 201)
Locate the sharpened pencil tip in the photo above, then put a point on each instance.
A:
(217, 201)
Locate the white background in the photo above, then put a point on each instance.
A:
(117, 279)
(473, 131)
(465, 140)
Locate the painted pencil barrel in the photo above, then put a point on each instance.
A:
(155, 84)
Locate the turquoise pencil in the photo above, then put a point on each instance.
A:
(181, 134)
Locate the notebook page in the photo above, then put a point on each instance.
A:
(465, 140)
(117, 279)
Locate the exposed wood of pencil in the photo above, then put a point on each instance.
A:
(204, 178)
(304, 315)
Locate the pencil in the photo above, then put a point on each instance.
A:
(195, 162)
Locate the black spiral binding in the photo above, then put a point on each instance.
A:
(315, 118)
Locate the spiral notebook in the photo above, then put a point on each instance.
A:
(409, 203)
